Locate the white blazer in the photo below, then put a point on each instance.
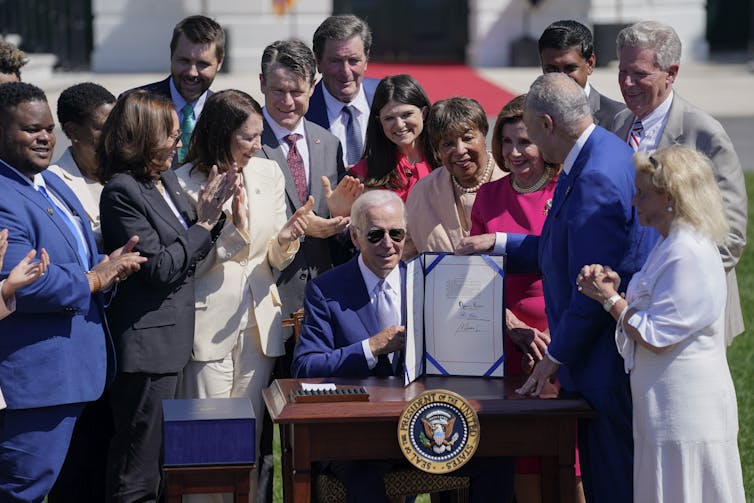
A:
(242, 260)
(69, 172)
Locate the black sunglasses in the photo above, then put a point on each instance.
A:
(376, 235)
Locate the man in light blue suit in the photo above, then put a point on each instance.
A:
(591, 219)
(342, 99)
(55, 351)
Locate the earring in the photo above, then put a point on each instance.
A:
(670, 209)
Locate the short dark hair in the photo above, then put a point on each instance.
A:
(452, 116)
(341, 27)
(13, 94)
(511, 113)
(200, 30)
(379, 151)
(566, 34)
(78, 103)
(223, 113)
(292, 54)
(11, 59)
(134, 134)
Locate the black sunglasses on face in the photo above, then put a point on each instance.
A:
(376, 235)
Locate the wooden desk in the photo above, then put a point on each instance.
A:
(510, 426)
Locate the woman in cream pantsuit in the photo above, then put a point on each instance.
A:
(238, 318)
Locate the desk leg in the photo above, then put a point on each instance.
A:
(286, 462)
(302, 463)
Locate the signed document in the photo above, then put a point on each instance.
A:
(455, 316)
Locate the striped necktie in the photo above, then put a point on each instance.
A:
(354, 142)
(634, 138)
(187, 127)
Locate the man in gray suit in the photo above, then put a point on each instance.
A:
(567, 47)
(312, 162)
(650, 54)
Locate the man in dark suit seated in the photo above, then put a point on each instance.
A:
(567, 47)
(197, 50)
(343, 97)
(354, 327)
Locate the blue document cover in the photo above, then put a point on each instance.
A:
(208, 431)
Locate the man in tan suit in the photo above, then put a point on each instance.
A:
(650, 54)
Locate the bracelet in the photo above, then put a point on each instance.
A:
(94, 282)
(609, 303)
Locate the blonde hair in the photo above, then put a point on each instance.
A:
(686, 176)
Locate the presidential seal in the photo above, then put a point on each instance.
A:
(438, 431)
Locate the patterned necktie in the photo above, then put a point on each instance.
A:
(354, 141)
(187, 127)
(634, 138)
(296, 165)
(81, 248)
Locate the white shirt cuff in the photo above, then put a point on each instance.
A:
(501, 240)
(552, 358)
(371, 359)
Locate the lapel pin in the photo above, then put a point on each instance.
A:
(316, 141)
(49, 211)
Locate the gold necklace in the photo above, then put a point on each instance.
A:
(485, 177)
(534, 188)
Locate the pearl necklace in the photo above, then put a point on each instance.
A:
(485, 177)
(537, 185)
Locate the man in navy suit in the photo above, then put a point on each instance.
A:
(567, 47)
(197, 50)
(341, 45)
(55, 351)
(353, 326)
(591, 218)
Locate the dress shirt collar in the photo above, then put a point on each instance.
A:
(653, 124)
(587, 89)
(279, 131)
(179, 102)
(371, 279)
(576, 149)
(335, 107)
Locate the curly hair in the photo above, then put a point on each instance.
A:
(13, 94)
(77, 103)
(11, 59)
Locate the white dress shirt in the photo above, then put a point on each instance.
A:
(280, 133)
(653, 125)
(371, 281)
(179, 102)
(338, 119)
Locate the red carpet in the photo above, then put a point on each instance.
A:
(444, 81)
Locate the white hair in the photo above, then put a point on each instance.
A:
(370, 199)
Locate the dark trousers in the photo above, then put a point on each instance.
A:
(33, 445)
(606, 448)
(82, 479)
(135, 456)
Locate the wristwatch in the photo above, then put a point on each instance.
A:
(609, 303)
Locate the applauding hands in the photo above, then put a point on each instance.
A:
(25, 272)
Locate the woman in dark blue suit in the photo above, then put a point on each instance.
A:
(152, 316)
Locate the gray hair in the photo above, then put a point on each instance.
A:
(341, 27)
(292, 54)
(659, 37)
(370, 199)
(560, 97)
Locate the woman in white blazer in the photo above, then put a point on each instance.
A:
(238, 318)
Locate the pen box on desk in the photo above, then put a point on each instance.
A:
(208, 431)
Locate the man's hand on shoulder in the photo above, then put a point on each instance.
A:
(388, 340)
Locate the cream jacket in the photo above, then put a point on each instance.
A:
(242, 260)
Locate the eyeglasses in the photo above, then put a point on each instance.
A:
(375, 235)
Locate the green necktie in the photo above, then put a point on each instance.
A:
(187, 127)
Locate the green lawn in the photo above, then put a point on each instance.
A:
(740, 359)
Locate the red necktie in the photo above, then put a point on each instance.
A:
(296, 165)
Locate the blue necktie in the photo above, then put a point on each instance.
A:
(354, 142)
(80, 247)
(187, 127)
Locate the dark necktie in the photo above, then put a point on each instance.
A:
(80, 247)
(354, 142)
(296, 165)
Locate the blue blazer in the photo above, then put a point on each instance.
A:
(337, 317)
(55, 348)
(591, 221)
(318, 110)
